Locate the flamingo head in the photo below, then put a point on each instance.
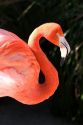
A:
(55, 35)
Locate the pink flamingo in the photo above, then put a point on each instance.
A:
(20, 64)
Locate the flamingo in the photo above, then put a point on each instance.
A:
(20, 64)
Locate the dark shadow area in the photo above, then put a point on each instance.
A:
(15, 113)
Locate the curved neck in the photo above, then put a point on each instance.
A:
(51, 75)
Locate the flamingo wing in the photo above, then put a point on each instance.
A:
(19, 69)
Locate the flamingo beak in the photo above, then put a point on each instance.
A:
(64, 48)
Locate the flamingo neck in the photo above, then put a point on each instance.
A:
(51, 75)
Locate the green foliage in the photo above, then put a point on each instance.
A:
(22, 16)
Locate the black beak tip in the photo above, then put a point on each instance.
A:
(62, 61)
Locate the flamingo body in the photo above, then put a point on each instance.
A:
(19, 68)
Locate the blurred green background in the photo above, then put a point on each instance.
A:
(22, 16)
